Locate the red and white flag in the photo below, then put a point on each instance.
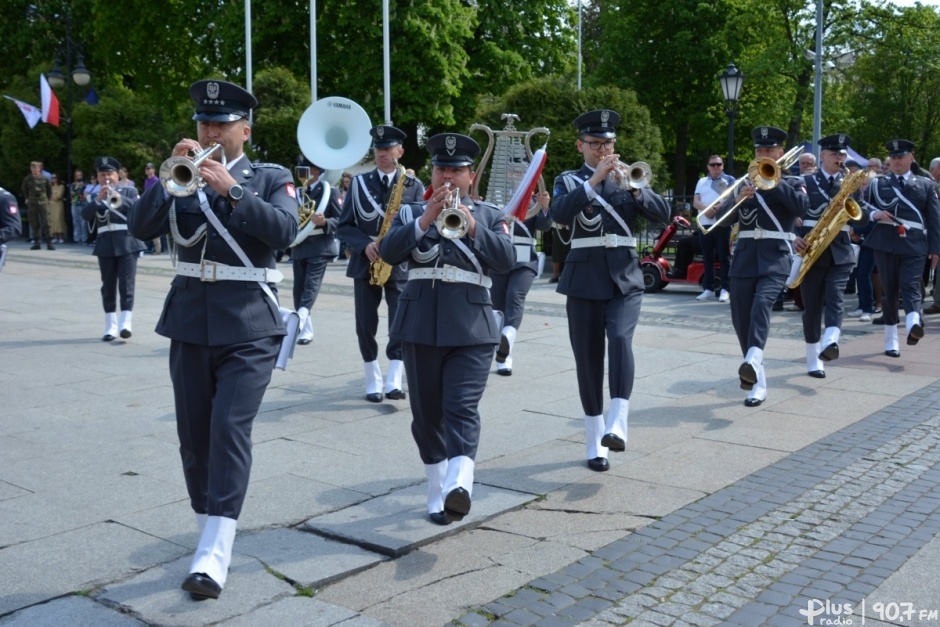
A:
(518, 205)
(31, 113)
(50, 104)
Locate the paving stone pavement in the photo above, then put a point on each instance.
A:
(821, 501)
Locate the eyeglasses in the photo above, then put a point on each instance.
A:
(715, 165)
(598, 145)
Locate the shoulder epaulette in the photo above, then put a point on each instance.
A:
(267, 165)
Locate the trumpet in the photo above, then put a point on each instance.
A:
(113, 198)
(452, 223)
(180, 175)
(763, 173)
(634, 176)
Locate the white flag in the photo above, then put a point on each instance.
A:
(31, 113)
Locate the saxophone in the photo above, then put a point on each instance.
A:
(841, 209)
(380, 271)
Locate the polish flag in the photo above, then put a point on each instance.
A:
(50, 104)
(31, 113)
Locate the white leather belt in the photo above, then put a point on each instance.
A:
(210, 272)
(811, 223)
(111, 227)
(607, 241)
(450, 274)
(762, 234)
(911, 225)
(516, 239)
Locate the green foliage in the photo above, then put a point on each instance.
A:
(284, 99)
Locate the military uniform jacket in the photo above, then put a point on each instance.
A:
(37, 190)
(322, 241)
(818, 196)
(11, 224)
(119, 242)
(264, 221)
(439, 313)
(597, 273)
(921, 192)
(523, 240)
(362, 216)
(761, 257)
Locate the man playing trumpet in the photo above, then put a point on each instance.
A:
(602, 277)
(117, 250)
(221, 314)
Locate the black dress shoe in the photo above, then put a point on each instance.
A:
(506, 372)
(107, 338)
(917, 332)
(125, 333)
(200, 586)
(439, 518)
(613, 442)
(395, 395)
(35, 247)
(456, 504)
(777, 307)
(830, 352)
(503, 351)
(599, 464)
(50, 247)
(554, 279)
(748, 376)
(375, 397)
(817, 374)
(878, 320)
(893, 353)
(753, 402)
(304, 341)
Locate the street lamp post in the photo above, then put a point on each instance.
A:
(731, 80)
(80, 76)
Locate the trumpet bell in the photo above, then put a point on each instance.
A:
(640, 175)
(764, 173)
(333, 133)
(179, 176)
(452, 223)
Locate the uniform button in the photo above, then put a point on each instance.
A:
(214, 235)
(244, 224)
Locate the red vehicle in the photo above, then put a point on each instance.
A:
(655, 265)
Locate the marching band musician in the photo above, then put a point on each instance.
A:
(11, 225)
(311, 256)
(823, 287)
(445, 320)
(221, 314)
(906, 213)
(117, 250)
(602, 278)
(359, 225)
(510, 289)
(760, 263)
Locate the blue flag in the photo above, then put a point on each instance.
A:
(92, 97)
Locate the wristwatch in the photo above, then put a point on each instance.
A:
(236, 192)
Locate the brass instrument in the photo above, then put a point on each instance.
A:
(763, 173)
(452, 223)
(306, 210)
(113, 198)
(180, 175)
(841, 209)
(380, 271)
(635, 176)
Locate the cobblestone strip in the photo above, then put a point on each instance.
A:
(831, 521)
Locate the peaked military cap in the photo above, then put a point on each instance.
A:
(899, 147)
(107, 164)
(835, 143)
(768, 136)
(599, 123)
(386, 136)
(220, 101)
(452, 149)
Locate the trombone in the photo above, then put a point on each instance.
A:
(763, 173)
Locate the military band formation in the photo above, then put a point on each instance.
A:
(454, 272)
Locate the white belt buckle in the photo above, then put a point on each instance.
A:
(610, 241)
(202, 271)
(758, 233)
(449, 275)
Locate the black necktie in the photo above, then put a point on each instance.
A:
(384, 184)
(832, 181)
(901, 183)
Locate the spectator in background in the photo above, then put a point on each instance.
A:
(77, 193)
(852, 165)
(37, 190)
(158, 245)
(123, 181)
(717, 243)
(56, 214)
(874, 164)
(807, 164)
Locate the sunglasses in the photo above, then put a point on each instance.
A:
(714, 165)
